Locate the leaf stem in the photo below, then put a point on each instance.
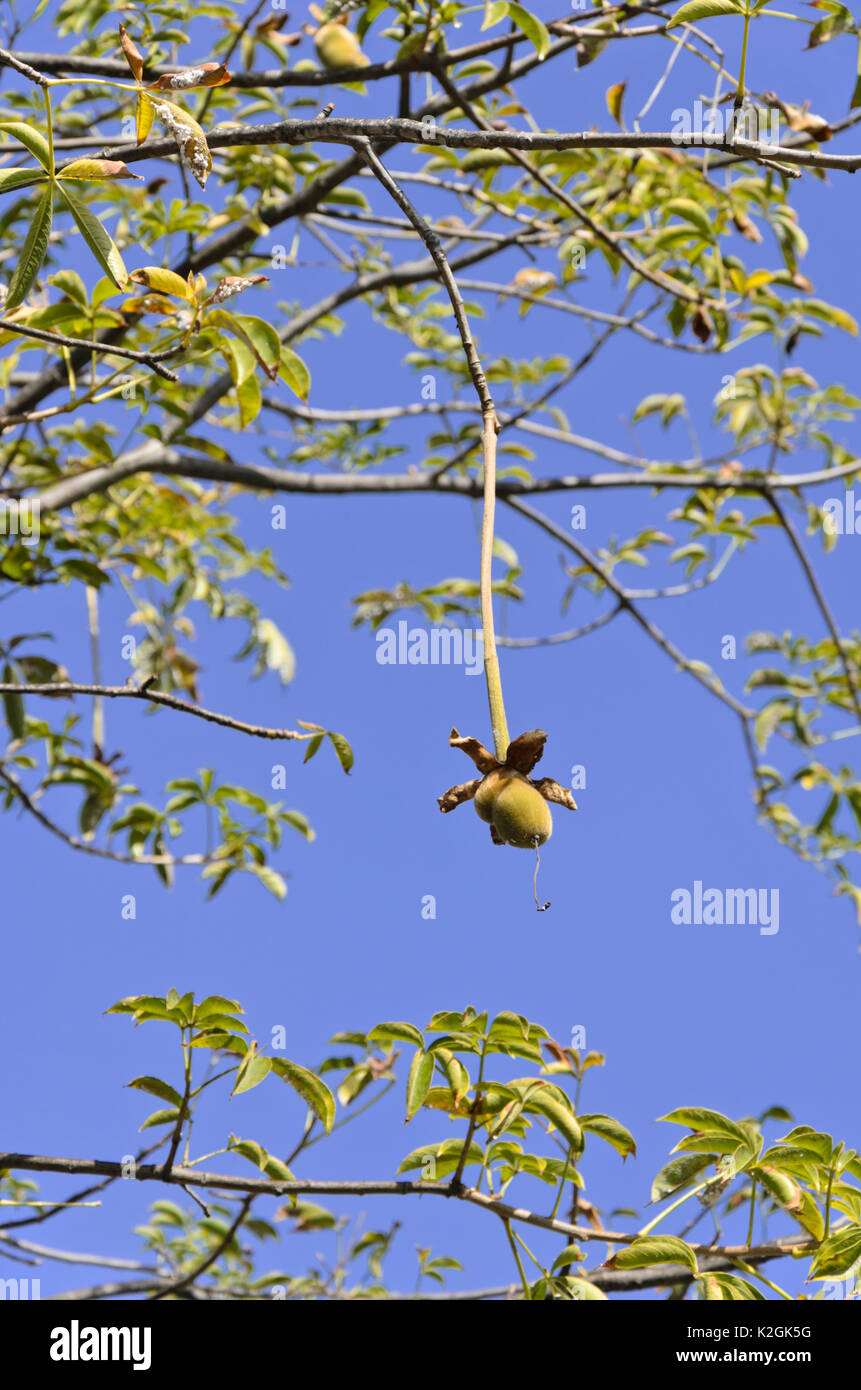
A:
(739, 96)
(752, 1214)
(516, 1253)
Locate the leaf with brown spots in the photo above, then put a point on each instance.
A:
(203, 75)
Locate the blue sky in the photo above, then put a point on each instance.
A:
(714, 1016)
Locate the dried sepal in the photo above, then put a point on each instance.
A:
(455, 795)
(191, 141)
(496, 796)
(132, 55)
(552, 791)
(526, 750)
(481, 756)
(203, 75)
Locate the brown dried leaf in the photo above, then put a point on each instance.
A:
(377, 1066)
(552, 791)
(702, 324)
(558, 1052)
(526, 750)
(483, 759)
(455, 795)
(133, 57)
(748, 229)
(203, 75)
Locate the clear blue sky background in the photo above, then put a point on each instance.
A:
(713, 1016)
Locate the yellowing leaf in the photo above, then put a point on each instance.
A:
(163, 281)
(143, 117)
(615, 97)
(97, 169)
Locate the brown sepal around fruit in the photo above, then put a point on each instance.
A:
(526, 751)
(455, 795)
(481, 756)
(552, 791)
(523, 753)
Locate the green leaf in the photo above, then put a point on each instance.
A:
(655, 1250)
(249, 400)
(33, 140)
(155, 1087)
(313, 747)
(703, 9)
(342, 749)
(97, 238)
(418, 1081)
(837, 1254)
(678, 1173)
(728, 1288)
(215, 1004)
(272, 881)
(532, 27)
(33, 251)
(294, 372)
(18, 178)
(571, 1255)
(610, 1130)
(13, 705)
(445, 1156)
(396, 1032)
(252, 1070)
(706, 1122)
(314, 1092)
(160, 1117)
(257, 335)
(563, 1119)
(691, 212)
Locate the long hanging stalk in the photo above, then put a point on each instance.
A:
(492, 677)
(490, 429)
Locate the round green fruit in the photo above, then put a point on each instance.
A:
(519, 814)
(489, 790)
